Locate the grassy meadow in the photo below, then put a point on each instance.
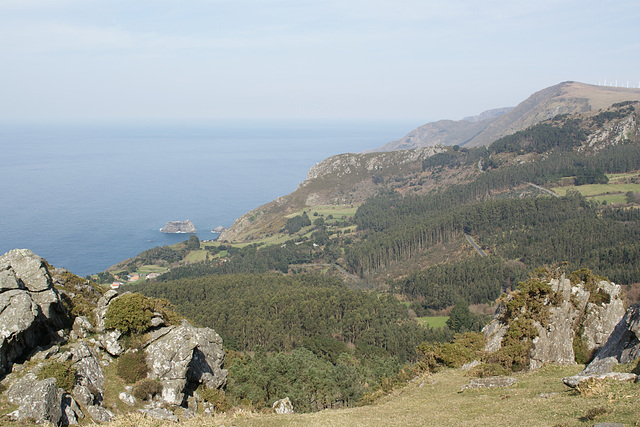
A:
(538, 399)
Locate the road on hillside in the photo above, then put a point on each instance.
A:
(543, 189)
(475, 245)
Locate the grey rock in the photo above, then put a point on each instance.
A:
(283, 406)
(127, 398)
(622, 346)
(157, 322)
(185, 355)
(490, 382)
(602, 319)
(90, 372)
(29, 268)
(160, 414)
(44, 354)
(8, 279)
(83, 395)
(39, 400)
(82, 327)
(575, 380)
(192, 403)
(109, 341)
(70, 410)
(100, 414)
(30, 308)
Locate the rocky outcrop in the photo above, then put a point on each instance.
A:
(622, 346)
(574, 313)
(31, 312)
(183, 357)
(31, 316)
(179, 227)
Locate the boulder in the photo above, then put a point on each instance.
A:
(82, 327)
(183, 357)
(30, 308)
(109, 341)
(100, 414)
(622, 346)
(575, 380)
(37, 400)
(29, 269)
(127, 398)
(283, 406)
(90, 374)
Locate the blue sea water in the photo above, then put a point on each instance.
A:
(86, 196)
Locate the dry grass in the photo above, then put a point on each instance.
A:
(539, 399)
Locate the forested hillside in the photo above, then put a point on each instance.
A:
(315, 340)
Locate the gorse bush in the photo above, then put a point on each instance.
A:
(132, 313)
(463, 349)
(64, 373)
(146, 388)
(132, 367)
(216, 397)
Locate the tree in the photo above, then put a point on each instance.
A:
(193, 243)
(460, 319)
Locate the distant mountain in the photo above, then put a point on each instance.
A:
(563, 98)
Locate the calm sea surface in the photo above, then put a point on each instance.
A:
(88, 196)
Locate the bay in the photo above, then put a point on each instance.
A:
(88, 195)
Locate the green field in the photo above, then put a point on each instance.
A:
(613, 192)
(434, 321)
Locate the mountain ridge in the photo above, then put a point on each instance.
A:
(563, 98)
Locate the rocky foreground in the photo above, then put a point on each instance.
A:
(66, 359)
(43, 344)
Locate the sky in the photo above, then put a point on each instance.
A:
(424, 60)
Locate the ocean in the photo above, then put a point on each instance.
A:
(86, 196)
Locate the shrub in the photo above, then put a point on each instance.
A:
(63, 372)
(130, 313)
(146, 388)
(215, 397)
(132, 367)
(463, 349)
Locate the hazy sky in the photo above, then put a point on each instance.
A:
(400, 59)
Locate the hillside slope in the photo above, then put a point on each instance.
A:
(344, 179)
(563, 98)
